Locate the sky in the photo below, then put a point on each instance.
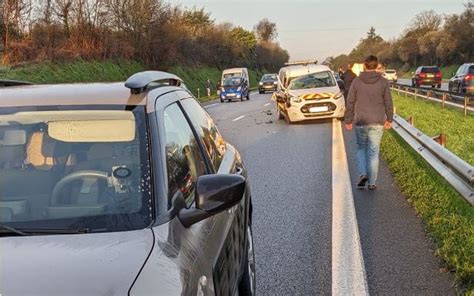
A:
(316, 29)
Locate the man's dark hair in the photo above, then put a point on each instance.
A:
(371, 62)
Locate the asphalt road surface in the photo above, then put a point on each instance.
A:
(311, 232)
(407, 81)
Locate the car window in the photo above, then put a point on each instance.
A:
(207, 130)
(74, 167)
(471, 70)
(313, 80)
(430, 70)
(184, 160)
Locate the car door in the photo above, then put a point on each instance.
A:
(230, 226)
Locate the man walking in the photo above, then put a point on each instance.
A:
(370, 108)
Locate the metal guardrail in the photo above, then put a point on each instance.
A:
(453, 169)
(454, 99)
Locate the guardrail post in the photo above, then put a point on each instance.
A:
(416, 93)
(466, 100)
(441, 139)
(398, 89)
(406, 92)
(411, 120)
(429, 94)
(443, 99)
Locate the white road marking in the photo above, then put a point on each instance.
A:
(266, 104)
(348, 271)
(238, 118)
(211, 105)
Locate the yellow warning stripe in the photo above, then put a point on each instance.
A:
(317, 96)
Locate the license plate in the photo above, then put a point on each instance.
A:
(319, 109)
(231, 95)
(430, 75)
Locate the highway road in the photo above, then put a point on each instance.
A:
(407, 81)
(315, 234)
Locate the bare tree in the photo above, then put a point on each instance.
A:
(266, 30)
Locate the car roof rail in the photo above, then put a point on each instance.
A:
(304, 63)
(8, 82)
(142, 81)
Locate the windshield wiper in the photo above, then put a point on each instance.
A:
(33, 231)
(9, 229)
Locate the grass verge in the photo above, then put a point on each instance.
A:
(449, 219)
(77, 71)
(432, 120)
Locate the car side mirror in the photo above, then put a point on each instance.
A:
(214, 194)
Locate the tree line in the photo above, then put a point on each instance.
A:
(152, 31)
(430, 39)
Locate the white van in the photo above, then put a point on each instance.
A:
(240, 72)
(307, 92)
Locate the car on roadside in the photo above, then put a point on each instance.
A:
(120, 189)
(427, 75)
(390, 75)
(234, 87)
(463, 80)
(269, 82)
(308, 91)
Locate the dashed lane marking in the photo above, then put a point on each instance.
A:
(238, 118)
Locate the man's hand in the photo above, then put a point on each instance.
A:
(387, 125)
(349, 126)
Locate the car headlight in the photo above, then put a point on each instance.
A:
(295, 99)
(240, 88)
(260, 83)
(337, 96)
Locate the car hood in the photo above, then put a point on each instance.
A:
(320, 90)
(80, 264)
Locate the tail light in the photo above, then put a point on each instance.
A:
(469, 77)
(439, 74)
(422, 74)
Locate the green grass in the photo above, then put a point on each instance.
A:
(78, 71)
(430, 118)
(449, 219)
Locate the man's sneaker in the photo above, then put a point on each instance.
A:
(362, 181)
(372, 187)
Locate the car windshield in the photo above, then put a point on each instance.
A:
(430, 70)
(232, 81)
(228, 75)
(390, 71)
(271, 77)
(81, 167)
(471, 70)
(313, 80)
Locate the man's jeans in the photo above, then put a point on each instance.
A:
(368, 147)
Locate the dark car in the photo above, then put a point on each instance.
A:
(269, 82)
(463, 80)
(120, 189)
(235, 87)
(427, 75)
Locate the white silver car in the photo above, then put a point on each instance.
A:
(390, 75)
(308, 92)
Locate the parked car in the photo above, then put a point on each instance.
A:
(308, 92)
(427, 75)
(269, 82)
(463, 80)
(390, 75)
(113, 189)
(235, 87)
